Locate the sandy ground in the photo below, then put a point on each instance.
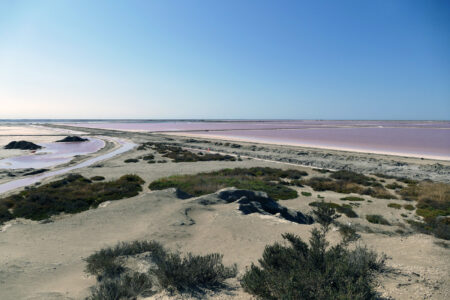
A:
(44, 260)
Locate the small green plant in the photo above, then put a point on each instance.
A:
(306, 194)
(394, 205)
(394, 186)
(124, 287)
(408, 207)
(377, 219)
(320, 197)
(404, 215)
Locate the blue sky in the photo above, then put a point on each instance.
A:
(225, 59)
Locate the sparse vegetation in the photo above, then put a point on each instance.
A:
(306, 194)
(395, 205)
(97, 178)
(433, 204)
(394, 186)
(258, 179)
(314, 271)
(72, 194)
(349, 182)
(178, 154)
(343, 209)
(377, 219)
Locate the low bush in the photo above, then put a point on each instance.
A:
(72, 194)
(124, 287)
(173, 271)
(395, 205)
(104, 264)
(344, 209)
(377, 219)
(315, 271)
(394, 186)
(257, 179)
(131, 160)
(192, 271)
(352, 198)
(97, 178)
(408, 207)
(306, 194)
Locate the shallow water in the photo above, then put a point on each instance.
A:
(428, 139)
(125, 146)
(52, 154)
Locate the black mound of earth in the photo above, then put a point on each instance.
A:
(256, 202)
(72, 139)
(34, 172)
(22, 145)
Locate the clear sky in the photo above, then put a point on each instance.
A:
(225, 59)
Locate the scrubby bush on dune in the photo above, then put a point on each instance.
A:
(257, 179)
(315, 271)
(192, 271)
(408, 207)
(172, 272)
(97, 178)
(395, 205)
(125, 287)
(104, 264)
(354, 177)
(72, 194)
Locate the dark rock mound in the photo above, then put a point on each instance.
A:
(258, 202)
(22, 145)
(35, 172)
(72, 138)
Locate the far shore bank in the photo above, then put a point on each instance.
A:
(308, 145)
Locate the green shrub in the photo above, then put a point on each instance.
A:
(395, 205)
(124, 287)
(394, 186)
(352, 198)
(377, 219)
(172, 271)
(258, 179)
(97, 178)
(306, 194)
(104, 264)
(314, 271)
(5, 215)
(72, 194)
(408, 207)
(192, 271)
(131, 160)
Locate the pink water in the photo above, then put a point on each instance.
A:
(52, 154)
(427, 139)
